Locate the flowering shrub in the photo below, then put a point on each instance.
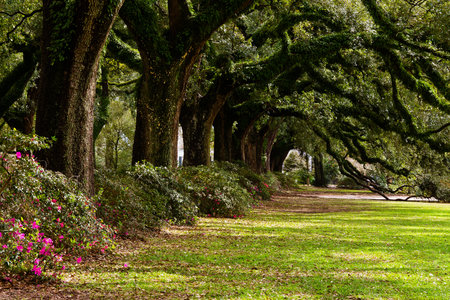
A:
(46, 219)
(127, 205)
(217, 192)
(258, 185)
(168, 194)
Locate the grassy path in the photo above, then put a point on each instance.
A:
(293, 247)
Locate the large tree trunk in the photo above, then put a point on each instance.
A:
(196, 135)
(271, 137)
(223, 135)
(196, 141)
(319, 174)
(279, 153)
(67, 83)
(197, 119)
(167, 58)
(158, 109)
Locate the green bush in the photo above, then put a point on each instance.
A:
(217, 192)
(46, 220)
(302, 176)
(256, 184)
(170, 194)
(347, 183)
(434, 186)
(124, 204)
(286, 181)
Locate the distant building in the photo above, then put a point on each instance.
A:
(180, 146)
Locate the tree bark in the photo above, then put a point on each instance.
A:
(167, 61)
(158, 109)
(271, 137)
(223, 135)
(197, 119)
(279, 153)
(67, 83)
(319, 174)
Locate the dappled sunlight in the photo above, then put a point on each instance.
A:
(384, 251)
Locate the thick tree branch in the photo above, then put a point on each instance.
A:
(178, 15)
(123, 52)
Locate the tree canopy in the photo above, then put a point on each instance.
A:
(365, 81)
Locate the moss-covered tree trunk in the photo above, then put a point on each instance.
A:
(69, 64)
(223, 135)
(280, 150)
(158, 109)
(319, 172)
(168, 54)
(197, 119)
(271, 138)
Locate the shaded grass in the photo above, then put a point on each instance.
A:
(290, 248)
(311, 188)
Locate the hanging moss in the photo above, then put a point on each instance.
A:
(425, 89)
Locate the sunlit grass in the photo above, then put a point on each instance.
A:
(368, 250)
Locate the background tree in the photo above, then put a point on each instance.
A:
(170, 39)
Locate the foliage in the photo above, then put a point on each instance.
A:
(114, 143)
(347, 182)
(286, 180)
(263, 186)
(126, 205)
(176, 203)
(46, 220)
(293, 162)
(434, 186)
(218, 192)
(301, 176)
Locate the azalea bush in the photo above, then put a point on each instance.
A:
(217, 192)
(141, 200)
(260, 186)
(46, 220)
(171, 197)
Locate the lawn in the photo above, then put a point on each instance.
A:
(301, 248)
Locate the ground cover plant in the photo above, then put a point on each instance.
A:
(294, 247)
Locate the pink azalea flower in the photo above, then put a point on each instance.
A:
(5, 246)
(62, 225)
(18, 155)
(63, 268)
(125, 265)
(79, 260)
(54, 200)
(48, 241)
(0, 234)
(35, 225)
(20, 248)
(21, 236)
(61, 237)
(37, 270)
(59, 208)
(42, 251)
(28, 249)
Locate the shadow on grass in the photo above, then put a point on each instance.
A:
(371, 250)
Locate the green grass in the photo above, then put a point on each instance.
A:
(291, 248)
